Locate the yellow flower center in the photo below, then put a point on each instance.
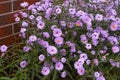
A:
(114, 26)
(58, 40)
(114, 49)
(107, 2)
(78, 24)
(81, 71)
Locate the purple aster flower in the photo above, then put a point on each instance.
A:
(38, 18)
(73, 49)
(31, 7)
(63, 23)
(29, 42)
(58, 11)
(95, 61)
(80, 13)
(24, 4)
(71, 24)
(17, 19)
(3, 48)
(103, 58)
(77, 65)
(81, 71)
(54, 59)
(95, 35)
(53, 27)
(49, 11)
(102, 51)
(83, 56)
(93, 52)
(59, 66)
(58, 40)
(89, 27)
(113, 64)
(111, 60)
(74, 33)
(118, 64)
(25, 15)
(22, 30)
(40, 41)
(23, 35)
(95, 42)
(83, 36)
(68, 43)
(46, 34)
(117, 20)
(24, 24)
(23, 64)
(45, 71)
(114, 26)
(113, 12)
(113, 40)
(72, 11)
(63, 74)
(45, 44)
(91, 16)
(31, 17)
(48, 65)
(32, 38)
(34, 11)
(97, 30)
(79, 23)
(81, 61)
(57, 32)
(88, 62)
(63, 60)
(63, 52)
(112, 17)
(41, 25)
(41, 57)
(99, 17)
(52, 50)
(26, 48)
(100, 78)
(115, 49)
(88, 46)
(97, 74)
(40, 8)
(83, 39)
(16, 15)
(88, 34)
(86, 19)
(66, 3)
(105, 33)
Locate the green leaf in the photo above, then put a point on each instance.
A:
(5, 78)
(69, 74)
(54, 76)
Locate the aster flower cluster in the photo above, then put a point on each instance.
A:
(3, 49)
(72, 37)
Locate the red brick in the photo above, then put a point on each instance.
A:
(6, 19)
(3, 0)
(5, 31)
(17, 3)
(10, 40)
(5, 7)
(17, 28)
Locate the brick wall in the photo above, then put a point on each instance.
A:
(8, 28)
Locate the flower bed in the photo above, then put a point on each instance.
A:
(67, 39)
